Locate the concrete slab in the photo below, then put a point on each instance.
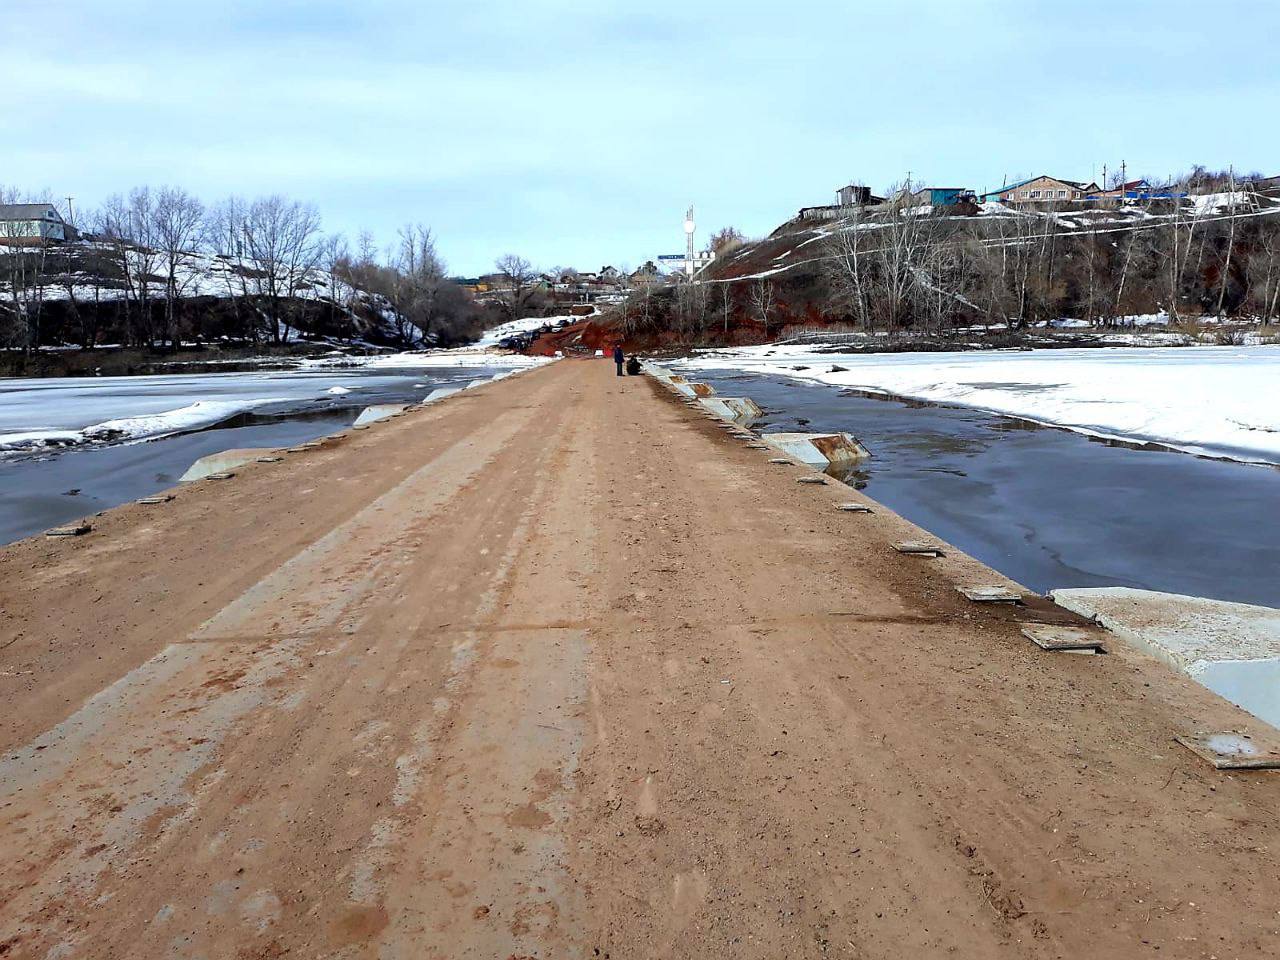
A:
(1231, 648)
(224, 461)
(1053, 637)
(694, 390)
(73, 530)
(379, 411)
(439, 393)
(818, 449)
(736, 409)
(989, 594)
(853, 507)
(163, 498)
(919, 548)
(819, 480)
(1232, 750)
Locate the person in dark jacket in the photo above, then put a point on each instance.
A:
(619, 357)
(633, 366)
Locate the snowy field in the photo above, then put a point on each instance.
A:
(1214, 401)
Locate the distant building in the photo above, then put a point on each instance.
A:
(1266, 185)
(1042, 189)
(647, 275)
(853, 193)
(33, 223)
(1135, 190)
(850, 195)
(941, 196)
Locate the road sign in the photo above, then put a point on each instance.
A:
(671, 256)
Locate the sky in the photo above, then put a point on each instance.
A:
(577, 133)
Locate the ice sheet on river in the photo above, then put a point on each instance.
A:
(1205, 400)
(202, 413)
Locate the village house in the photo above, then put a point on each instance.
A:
(1041, 189)
(647, 275)
(33, 223)
(940, 196)
(847, 197)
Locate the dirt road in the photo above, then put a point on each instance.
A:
(559, 669)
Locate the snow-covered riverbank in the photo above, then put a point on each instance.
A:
(1212, 401)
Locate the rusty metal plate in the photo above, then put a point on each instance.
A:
(1055, 637)
(990, 594)
(1233, 750)
(919, 548)
(853, 507)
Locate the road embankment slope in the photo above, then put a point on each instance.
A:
(558, 666)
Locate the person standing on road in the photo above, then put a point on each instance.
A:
(618, 357)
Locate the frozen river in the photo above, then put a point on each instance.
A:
(1216, 401)
(1050, 508)
(70, 447)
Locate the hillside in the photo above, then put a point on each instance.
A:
(104, 297)
(938, 272)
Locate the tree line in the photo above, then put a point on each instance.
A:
(158, 267)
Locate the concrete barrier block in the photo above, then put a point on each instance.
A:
(439, 393)
(818, 449)
(227, 460)
(695, 390)
(732, 408)
(379, 411)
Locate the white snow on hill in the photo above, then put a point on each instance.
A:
(1213, 401)
(495, 335)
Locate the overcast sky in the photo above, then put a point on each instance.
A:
(576, 133)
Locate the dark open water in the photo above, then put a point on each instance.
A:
(1048, 507)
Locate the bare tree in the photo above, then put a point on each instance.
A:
(518, 275)
(846, 269)
(764, 301)
(142, 258)
(179, 226)
(419, 277)
(23, 255)
(283, 240)
(725, 241)
(726, 305)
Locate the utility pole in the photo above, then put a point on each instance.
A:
(71, 216)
